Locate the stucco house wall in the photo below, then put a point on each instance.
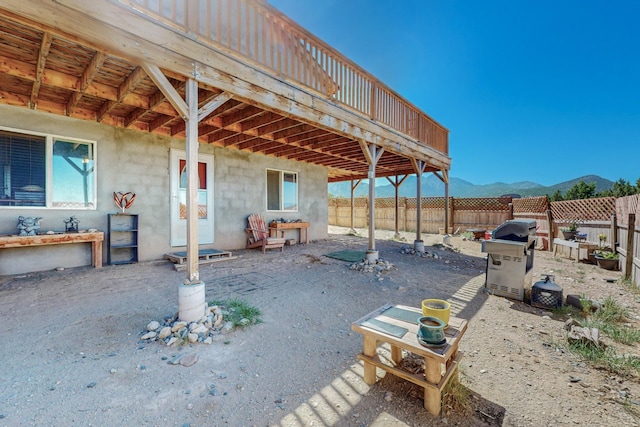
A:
(129, 160)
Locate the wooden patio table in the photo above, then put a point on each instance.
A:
(396, 326)
(95, 238)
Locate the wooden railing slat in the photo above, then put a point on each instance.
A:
(260, 33)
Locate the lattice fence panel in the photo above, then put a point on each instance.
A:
(627, 205)
(531, 205)
(482, 204)
(427, 203)
(345, 202)
(599, 209)
(389, 202)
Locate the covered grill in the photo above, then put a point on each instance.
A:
(510, 258)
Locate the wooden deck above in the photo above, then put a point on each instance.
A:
(265, 84)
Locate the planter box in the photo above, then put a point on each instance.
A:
(606, 263)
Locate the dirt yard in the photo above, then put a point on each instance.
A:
(72, 354)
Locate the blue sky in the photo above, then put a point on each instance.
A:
(542, 91)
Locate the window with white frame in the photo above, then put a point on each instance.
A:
(282, 190)
(46, 171)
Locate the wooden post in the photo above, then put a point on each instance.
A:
(193, 274)
(397, 212)
(353, 208)
(404, 227)
(370, 344)
(510, 214)
(447, 217)
(552, 232)
(631, 230)
(419, 204)
(451, 201)
(432, 395)
(614, 232)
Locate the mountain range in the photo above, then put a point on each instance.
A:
(432, 186)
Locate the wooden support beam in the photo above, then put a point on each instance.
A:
(130, 83)
(86, 79)
(241, 115)
(193, 274)
(45, 45)
(167, 89)
(213, 105)
(104, 109)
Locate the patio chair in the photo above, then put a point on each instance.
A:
(258, 235)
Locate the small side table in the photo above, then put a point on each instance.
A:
(303, 227)
(573, 244)
(397, 325)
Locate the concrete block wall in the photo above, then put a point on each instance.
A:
(129, 160)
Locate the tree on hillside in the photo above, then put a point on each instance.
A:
(581, 190)
(620, 188)
(556, 197)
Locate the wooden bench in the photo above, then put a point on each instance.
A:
(574, 244)
(95, 238)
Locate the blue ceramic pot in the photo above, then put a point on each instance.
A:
(431, 331)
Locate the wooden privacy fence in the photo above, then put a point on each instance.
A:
(464, 213)
(627, 235)
(592, 215)
(617, 219)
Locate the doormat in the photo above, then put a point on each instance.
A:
(348, 255)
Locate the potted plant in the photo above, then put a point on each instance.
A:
(602, 238)
(607, 259)
(569, 233)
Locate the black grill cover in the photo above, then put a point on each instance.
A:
(516, 230)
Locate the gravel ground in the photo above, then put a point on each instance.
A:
(72, 355)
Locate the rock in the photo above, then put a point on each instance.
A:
(189, 360)
(164, 332)
(192, 338)
(199, 329)
(208, 340)
(172, 340)
(153, 326)
(149, 335)
(178, 325)
(218, 320)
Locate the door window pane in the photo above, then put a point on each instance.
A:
(202, 190)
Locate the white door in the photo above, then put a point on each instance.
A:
(178, 176)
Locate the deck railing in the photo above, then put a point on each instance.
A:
(260, 33)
